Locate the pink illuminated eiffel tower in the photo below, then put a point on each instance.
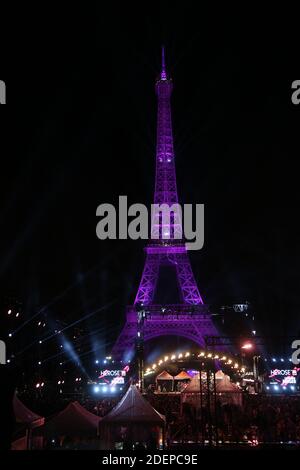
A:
(190, 318)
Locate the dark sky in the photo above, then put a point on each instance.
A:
(80, 130)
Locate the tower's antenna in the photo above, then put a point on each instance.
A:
(163, 74)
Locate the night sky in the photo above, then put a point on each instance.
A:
(80, 130)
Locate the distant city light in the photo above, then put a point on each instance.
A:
(247, 346)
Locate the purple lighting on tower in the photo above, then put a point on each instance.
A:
(169, 249)
(163, 74)
(190, 318)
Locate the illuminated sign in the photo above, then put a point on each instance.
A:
(284, 377)
(113, 376)
(118, 380)
(112, 373)
(275, 372)
(192, 372)
(248, 373)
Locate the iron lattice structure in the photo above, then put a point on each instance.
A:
(191, 318)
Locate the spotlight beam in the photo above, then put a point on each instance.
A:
(61, 353)
(68, 326)
(56, 299)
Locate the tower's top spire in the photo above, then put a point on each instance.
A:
(163, 73)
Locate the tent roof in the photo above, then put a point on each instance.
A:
(183, 375)
(25, 416)
(164, 375)
(74, 420)
(194, 385)
(133, 408)
(223, 384)
(220, 375)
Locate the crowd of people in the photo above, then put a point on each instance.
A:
(261, 419)
(99, 407)
(273, 419)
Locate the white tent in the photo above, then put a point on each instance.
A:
(166, 380)
(183, 375)
(73, 421)
(164, 375)
(226, 390)
(133, 408)
(223, 384)
(194, 384)
(27, 421)
(133, 417)
(25, 416)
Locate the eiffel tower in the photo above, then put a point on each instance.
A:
(190, 318)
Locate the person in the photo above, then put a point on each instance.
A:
(139, 446)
